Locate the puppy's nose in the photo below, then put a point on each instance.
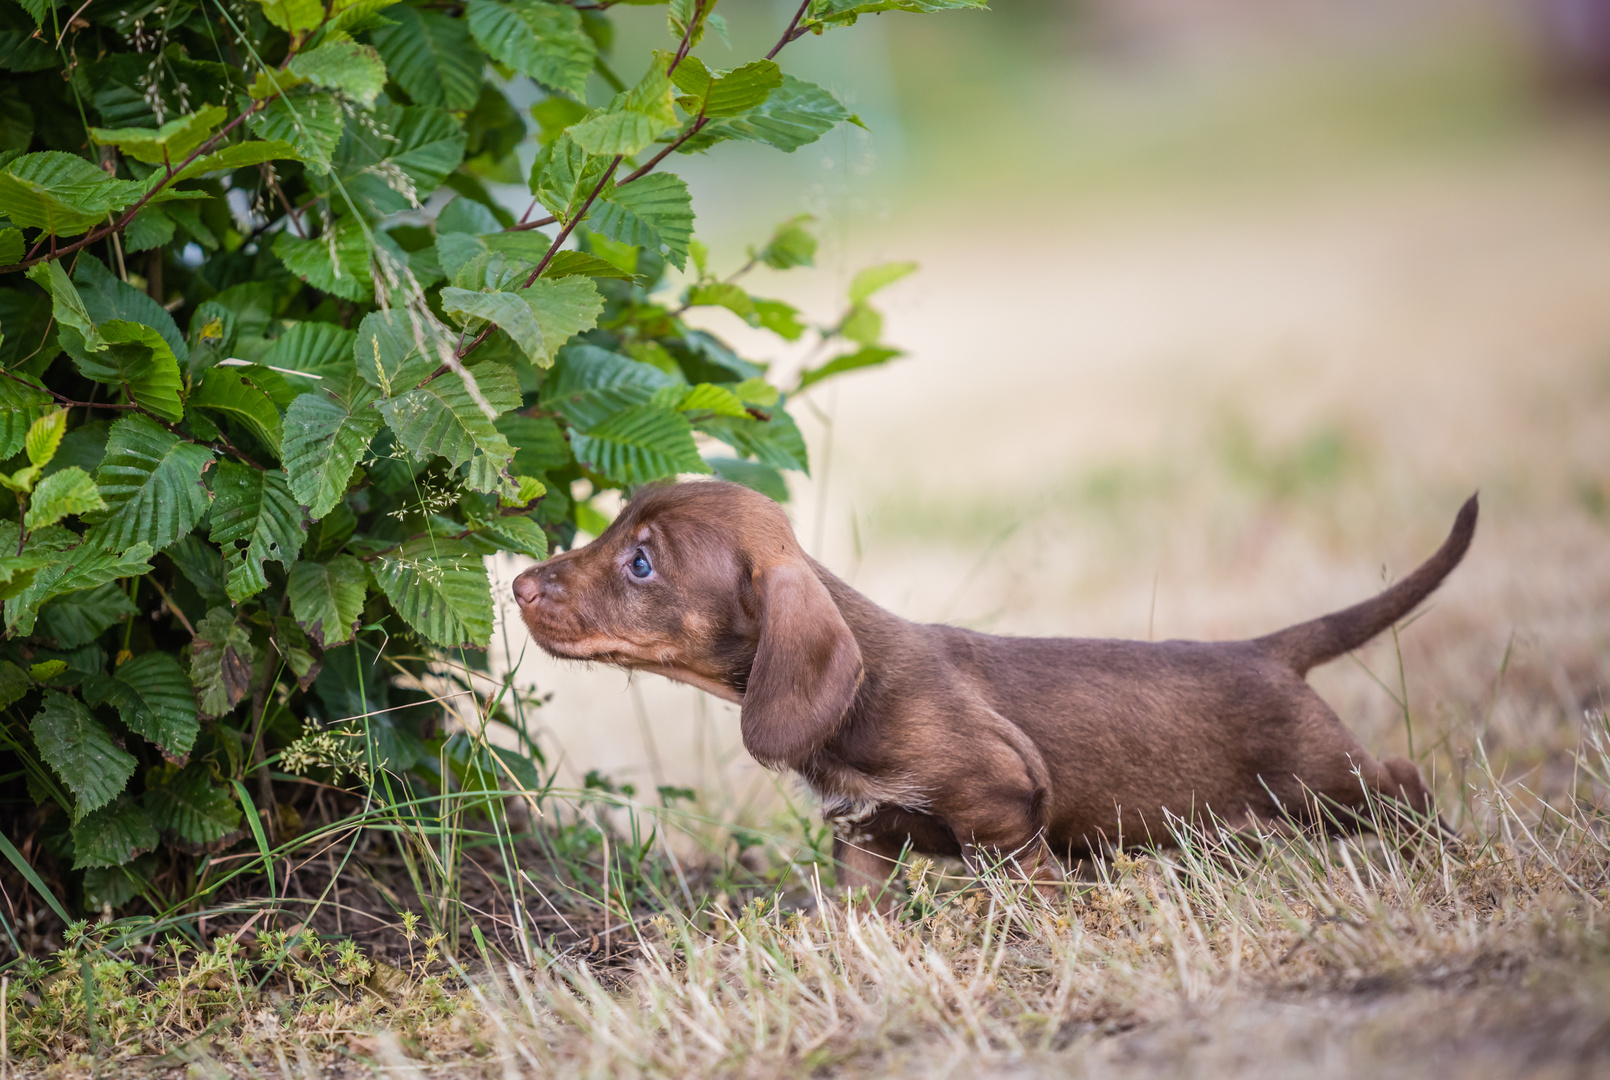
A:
(526, 589)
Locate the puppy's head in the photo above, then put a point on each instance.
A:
(704, 582)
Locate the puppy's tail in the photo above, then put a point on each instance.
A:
(1310, 643)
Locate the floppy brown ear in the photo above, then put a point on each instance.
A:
(806, 671)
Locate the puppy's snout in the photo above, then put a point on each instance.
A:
(527, 588)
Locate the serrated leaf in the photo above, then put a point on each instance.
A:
(317, 348)
(791, 245)
(66, 305)
(714, 93)
(138, 361)
(81, 751)
(873, 278)
(310, 122)
(539, 444)
(255, 518)
(153, 697)
(46, 670)
(82, 567)
(151, 481)
(239, 156)
(574, 263)
(845, 12)
(324, 440)
(632, 120)
(337, 262)
(870, 356)
(443, 418)
(563, 175)
(508, 311)
(638, 444)
(190, 807)
(776, 442)
(22, 401)
(563, 307)
(44, 436)
(61, 193)
(112, 836)
(203, 566)
(225, 391)
(79, 618)
(518, 534)
(12, 248)
(355, 70)
(151, 228)
(440, 588)
(170, 143)
(293, 16)
(780, 318)
(67, 491)
(395, 349)
(220, 663)
(722, 294)
(395, 159)
(793, 115)
(589, 383)
(327, 598)
(14, 684)
(107, 298)
(751, 474)
(431, 56)
(542, 40)
(709, 398)
(654, 211)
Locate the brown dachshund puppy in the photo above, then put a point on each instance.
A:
(957, 742)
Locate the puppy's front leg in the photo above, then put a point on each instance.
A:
(870, 863)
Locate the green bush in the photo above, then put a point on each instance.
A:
(279, 370)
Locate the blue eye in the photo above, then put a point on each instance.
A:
(641, 568)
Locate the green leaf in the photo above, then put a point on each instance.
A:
(542, 40)
(633, 120)
(318, 348)
(440, 589)
(12, 248)
(563, 175)
(44, 436)
(191, 808)
(112, 836)
(151, 481)
(293, 16)
(395, 349)
(327, 598)
(254, 518)
(520, 535)
(873, 278)
(79, 618)
(752, 474)
(791, 245)
(589, 384)
(713, 93)
(508, 311)
(220, 663)
(46, 670)
(355, 70)
(106, 298)
(154, 698)
(325, 438)
(138, 361)
(22, 401)
(61, 193)
(170, 143)
(239, 156)
(151, 228)
(13, 684)
(114, 886)
(431, 56)
(68, 491)
(573, 263)
(861, 324)
(310, 122)
(870, 356)
(539, 444)
(780, 318)
(795, 114)
(395, 159)
(563, 307)
(638, 444)
(225, 391)
(705, 398)
(82, 567)
(79, 748)
(655, 212)
(443, 418)
(845, 12)
(337, 262)
(66, 305)
(776, 442)
(203, 566)
(722, 294)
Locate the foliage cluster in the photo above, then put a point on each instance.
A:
(278, 371)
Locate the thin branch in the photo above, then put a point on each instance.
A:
(128, 215)
(793, 33)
